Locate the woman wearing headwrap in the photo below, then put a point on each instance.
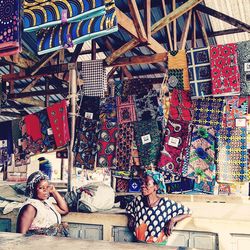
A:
(38, 215)
(150, 217)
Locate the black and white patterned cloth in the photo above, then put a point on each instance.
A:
(93, 77)
(150, 222)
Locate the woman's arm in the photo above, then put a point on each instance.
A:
(61, 206)
(170, 225)
(25, 219)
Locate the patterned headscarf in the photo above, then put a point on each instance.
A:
(158, 179)
(34, 179)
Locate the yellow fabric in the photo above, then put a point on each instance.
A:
(179, 61)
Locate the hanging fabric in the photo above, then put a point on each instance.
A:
(10, 40)
(243, 51)
(125, 138)
(181, 107)
(224, 70)
(147, 137)
(106, 145)
(208, 111)
(69, 34)
(146, 106)
(178, 60)
(42, 14)
(58, 118)
(201, 165)
(232, 155)
(118, 88)
(93, 76)
(89, 107)
(108, 110)
(235, 112)
(174, 144)
(125, 109)
(46, 130)
(85, 146)
(175, 79)
(199, 71)
(137, 87)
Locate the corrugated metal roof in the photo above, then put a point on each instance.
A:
(238, 9)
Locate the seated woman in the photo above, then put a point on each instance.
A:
(38, 215)
(150, 217)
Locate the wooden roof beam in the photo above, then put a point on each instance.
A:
(127, 24)
(147, 19)
(167, 25)
(203, 28)
(174, 14)
(223, 17)
(125, 70)
(185, 30)
(162, 57)
(137, 21)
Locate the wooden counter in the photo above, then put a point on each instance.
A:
(19, 242)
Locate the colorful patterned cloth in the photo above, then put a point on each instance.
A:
(90, 107)
(236, 108)
(125, 109)
(10, 27)
(232, 155)
(85, 147)
(175, 79)
(67, 35)
(118, 88)
(178, 60)
(42, 14)
(202, 154)
(138, 87)
(147, 137)
(125, 138)
(181, 107)
(224, 70)
(243, 51)
(208, 111)
(47, 136)
(58, 118)
(108, 109)
(147, 106)
(150, 222)
(199, 71)
(175, 142)
(106, 145)
(204, 186)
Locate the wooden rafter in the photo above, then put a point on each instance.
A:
(19, 61)
(125, 70)
(45, 59)
(174, 14)
(111, 73)
(147, 19)
(223, 17)
(76, 53)
(194, 30)
(174, 26)
(137, 21)
(203, 28)
(185, 30)
(123, 49)
(167, 25)
(127, 24)
(162, 57)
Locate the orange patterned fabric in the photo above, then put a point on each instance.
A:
(178, 60)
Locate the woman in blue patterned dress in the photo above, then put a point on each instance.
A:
(151, 217)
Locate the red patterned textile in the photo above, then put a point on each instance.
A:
(33, 127)
(125, 109)
(58, 118)
(181, 107)
(175, 142)
(106, 145)
(224, 70)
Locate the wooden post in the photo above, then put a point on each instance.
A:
(73, 91)
(93, 51)
(62, 168)
(174, 26)
(46, 90)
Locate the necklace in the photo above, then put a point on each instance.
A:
(152, 204)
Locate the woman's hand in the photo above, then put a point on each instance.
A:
(52, 189)
(170, 225)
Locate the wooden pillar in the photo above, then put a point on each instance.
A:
(46, 91)
(73, 92)
(62, 168)
(93, 51)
